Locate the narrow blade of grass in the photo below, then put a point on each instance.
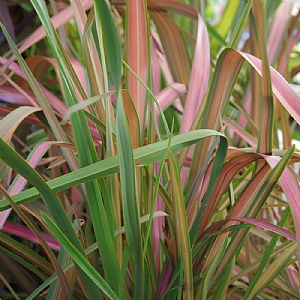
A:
(80, 259)
(266, 110)
(271, 272)
(204, 287)
(182, 227)
(144, 155)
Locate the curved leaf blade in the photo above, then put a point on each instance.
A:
(145, 155)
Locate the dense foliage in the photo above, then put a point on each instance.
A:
(146, 150)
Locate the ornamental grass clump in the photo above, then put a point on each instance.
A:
(140, 151)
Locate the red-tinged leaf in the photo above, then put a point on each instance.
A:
(173, 6)
(232, 60)
(165, 69)
(133, 120)
(173, 45)
(275, 40)
(155, 67)
(251, 201)
(229, 171)
(8, 126)
(25, 233)
(166, 97)
(268, 226)
(56, 104)
(137, 45)
(280, 36)
(263, 97)
(42, 242)
(199, 76)
(285, 94)
(39, 64)
(29, 119)
(12, 95)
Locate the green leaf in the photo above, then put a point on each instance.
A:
(182, 227)
(80, 259)
(86, 151)
(204, 288)
(111, 42)
(144, 155)
(55, 208)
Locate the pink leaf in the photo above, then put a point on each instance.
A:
(199, 76)
(281, 88)
(24, 232)
(267, 226)
(168, 95)
(137, 52)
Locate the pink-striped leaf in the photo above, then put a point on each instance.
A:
(39, 64)
(234, 127)
(165, 69)
(199, 76)
(232, 60)
(268, 226)
(23, 232)
(11, 95)
(79, 14)
(137, 52)
(173, 6)
(285, 94)
(166, 97)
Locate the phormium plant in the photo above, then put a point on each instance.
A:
(140, 151)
